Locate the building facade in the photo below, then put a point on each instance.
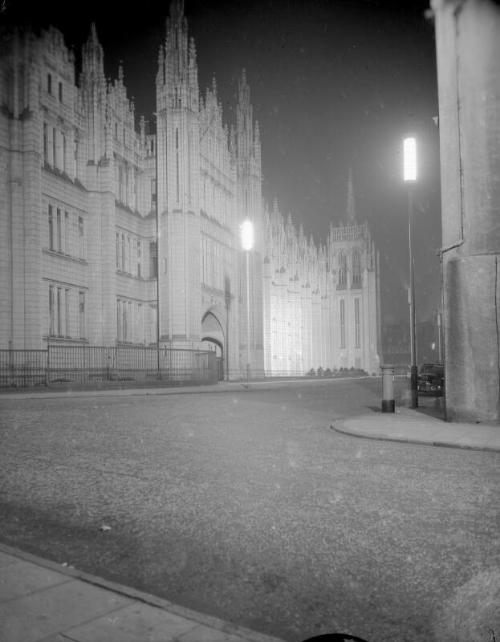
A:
(320, 303)
(115, 230)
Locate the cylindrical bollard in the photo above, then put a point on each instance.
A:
(388, 389)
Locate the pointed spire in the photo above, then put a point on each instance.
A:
(120, 72)
(93, 34)
(160, 76)
(192, 52)
(93, 61)
(177, 9)
(244, 119)
(351, 210)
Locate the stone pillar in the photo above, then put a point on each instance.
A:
(468, 61)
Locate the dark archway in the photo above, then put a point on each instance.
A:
(212, 337)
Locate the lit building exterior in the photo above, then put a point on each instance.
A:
(112, 234)
(320, 303)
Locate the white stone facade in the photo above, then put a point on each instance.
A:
(100, 221)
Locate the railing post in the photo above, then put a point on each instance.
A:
(11, 364)
(47, 365)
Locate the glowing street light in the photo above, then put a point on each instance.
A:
(247, 238)
(247, 235)
(410, 159)
(410, 178)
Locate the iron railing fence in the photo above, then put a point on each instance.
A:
(20, 368)
(96, 364)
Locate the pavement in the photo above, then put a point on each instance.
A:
(53, 392)
(414, 427)
(41, 600)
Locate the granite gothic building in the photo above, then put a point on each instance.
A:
(114, 230)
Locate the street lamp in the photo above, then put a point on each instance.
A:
(247, 242)
(157, 217)
(410, 177)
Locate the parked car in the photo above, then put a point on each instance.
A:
(431, 378)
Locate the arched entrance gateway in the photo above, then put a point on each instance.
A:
(212, 337)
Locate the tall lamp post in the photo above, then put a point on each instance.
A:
(157, 213)
(247, 242)
(410, 177)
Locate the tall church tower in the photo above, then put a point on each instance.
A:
(98, 179)
(178, 175)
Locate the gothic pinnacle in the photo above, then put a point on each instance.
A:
(351, 210)
(93, 34)
(177, 9)
(257, 132)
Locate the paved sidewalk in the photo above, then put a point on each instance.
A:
(221, 386)
(44, 601)
(415, 427)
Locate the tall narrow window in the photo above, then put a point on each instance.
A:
(357, 324)
(128, 255)
(51, 228)
(59, 230)
(66, 232)
(67, 329)
(342, 270)
(123, 253)
(120, 184)
(356, 268)
(52, 319)
(45, 143)
(342, 323)
(139, 258)
(63, 153)
(76, 157)
(60, 92)
(81, 314)
(54, 147)
(49, 83)
(153, 193)
(117, 243)
(153, 260)
(59, 312)
(81, 238)
(124, 322)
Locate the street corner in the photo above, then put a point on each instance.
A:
(403, 425)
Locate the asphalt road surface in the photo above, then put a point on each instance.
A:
(247, 506)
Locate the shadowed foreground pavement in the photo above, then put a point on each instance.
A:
(248, 507)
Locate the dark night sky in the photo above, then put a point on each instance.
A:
(334, 83)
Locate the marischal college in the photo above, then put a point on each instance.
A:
(104, 226)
